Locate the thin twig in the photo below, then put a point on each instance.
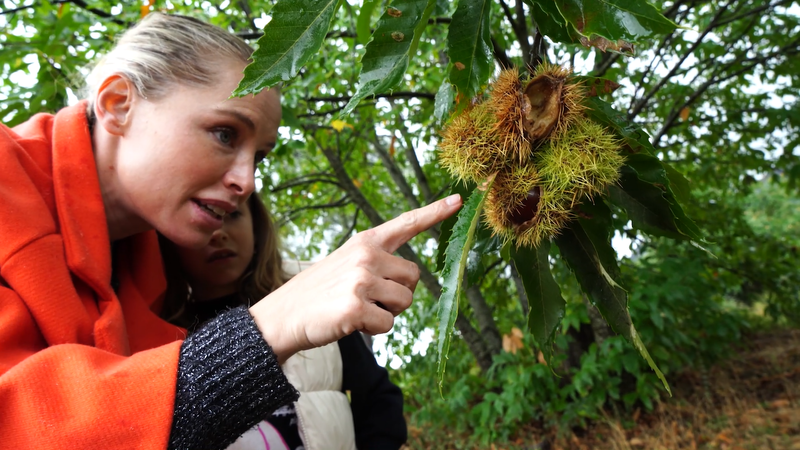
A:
(344, 98)
(98, 12)
(17, 9)
(349, 231)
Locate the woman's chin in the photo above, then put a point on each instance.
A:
(191, 239)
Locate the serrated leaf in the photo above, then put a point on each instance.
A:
(446, 229)
(586, 248)
(640, 158)
(469, 48)
(645, 205)
(546, 305)
(458, 247)
(627, 20)
(290, 39)
(386, 58)
(648, 168)
(364, 21)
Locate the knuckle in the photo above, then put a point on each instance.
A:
(364, 256)
(414, 272)
(409, 218)
(361, 278)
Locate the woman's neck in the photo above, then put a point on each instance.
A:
(120, 220)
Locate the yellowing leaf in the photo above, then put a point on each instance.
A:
(357, 182)
(339, 125)
(391, 146)
(685, 113)
(513, 341)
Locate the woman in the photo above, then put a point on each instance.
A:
(240, 265)
(85, 361)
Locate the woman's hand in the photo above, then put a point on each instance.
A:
(359, 287)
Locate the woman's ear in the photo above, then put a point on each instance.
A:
(113, 104)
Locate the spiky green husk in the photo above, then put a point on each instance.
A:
(468, 149)
(584, 159)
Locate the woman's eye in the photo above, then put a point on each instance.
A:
(225, 135)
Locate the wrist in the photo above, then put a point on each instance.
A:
(272, 331)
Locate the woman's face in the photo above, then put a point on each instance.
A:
(188, 159)
(213, 271)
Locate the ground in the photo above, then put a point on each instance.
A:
(751, 402)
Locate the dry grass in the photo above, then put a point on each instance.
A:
(751, 402)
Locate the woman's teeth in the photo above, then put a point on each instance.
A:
(216, 210)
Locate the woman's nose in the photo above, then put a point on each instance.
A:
(218, 236)
(241, 177)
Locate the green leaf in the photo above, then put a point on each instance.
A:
(627, 20)
(486, 242)
(446, 229)
(551, 23)
(458, 247)
(421, 25)
(289, 119)
(586, 248)
(387, 55)
(364, 21)
(645, 205)
(443, 102)
(469, 47)
(640, 158)
(546, 305)
(678, 183)
(290, 39)
(648, 168)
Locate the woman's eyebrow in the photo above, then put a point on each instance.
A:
(241, 117)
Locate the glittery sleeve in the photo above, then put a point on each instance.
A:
(228, 380)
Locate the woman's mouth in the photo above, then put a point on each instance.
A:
(215, 211)
(221, 254)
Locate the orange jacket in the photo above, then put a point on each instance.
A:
(81, 367)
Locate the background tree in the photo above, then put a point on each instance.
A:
(718, 98)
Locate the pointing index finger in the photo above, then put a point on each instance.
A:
(392, 234)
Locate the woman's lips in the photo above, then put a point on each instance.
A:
(221, 254)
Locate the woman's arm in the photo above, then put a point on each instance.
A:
(228, 380)
(78, 396)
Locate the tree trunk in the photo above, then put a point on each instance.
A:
(599, 326)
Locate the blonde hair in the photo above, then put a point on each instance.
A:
(163, 50)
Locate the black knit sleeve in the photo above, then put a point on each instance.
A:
(376, 402)
(228, 381)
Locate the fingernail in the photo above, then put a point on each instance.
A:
(453, 199)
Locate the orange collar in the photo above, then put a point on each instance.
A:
(81, 213)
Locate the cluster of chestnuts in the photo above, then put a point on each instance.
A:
(531, 134)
